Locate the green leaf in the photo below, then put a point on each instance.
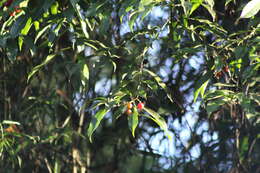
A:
(37, 68)
(54, 8)
(133, 16)
(227, 2)
(41, 32)
(158, 120)
(20, 42)
(81, 18)
(160, 83)
(211, 11)
(36, 25)
(243, 148)
(10, 122)
(146, 2)
(250, 9)
(195, 5)
(57, 166)
(27, 27)
(214, 105)
(200, 90)
(85, 75)
(133, 121)
(96, 121)
(18, 26)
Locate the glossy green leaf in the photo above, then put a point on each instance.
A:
(85, 75)
(54, 8)
(195, 5)
(250, 9)
(133, 16)
(36, 25)
(200, 90)
(158, 120)
(133, 121)
(27, 27)
(41, 32)
(96, 121)
(10, 122)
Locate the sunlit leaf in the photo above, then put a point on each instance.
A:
(54, 8)
(10, 122)
(96, 121)
(200, 90)
(195, 5)
(41, 32)
(158, 120)
(27, 27)
(85, 75)
(250, 9)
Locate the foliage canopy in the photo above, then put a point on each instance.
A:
(130, 86)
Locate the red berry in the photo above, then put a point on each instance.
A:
(218, 74)
(12, 14)
(129, 105)
(226, 69)
(17, 9)
(140, 106)
(128, 111)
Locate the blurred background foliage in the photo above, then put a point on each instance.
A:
(69, 69)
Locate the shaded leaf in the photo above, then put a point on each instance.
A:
(133, 121)
(81, 18)
(160, 83)
(210, 10)
(214, 106)
(18, 26)
(37, 68)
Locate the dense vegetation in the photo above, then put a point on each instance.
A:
(130, 86)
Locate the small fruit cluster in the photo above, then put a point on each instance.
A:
(17, 9)
(129, 107)
(221, 72)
